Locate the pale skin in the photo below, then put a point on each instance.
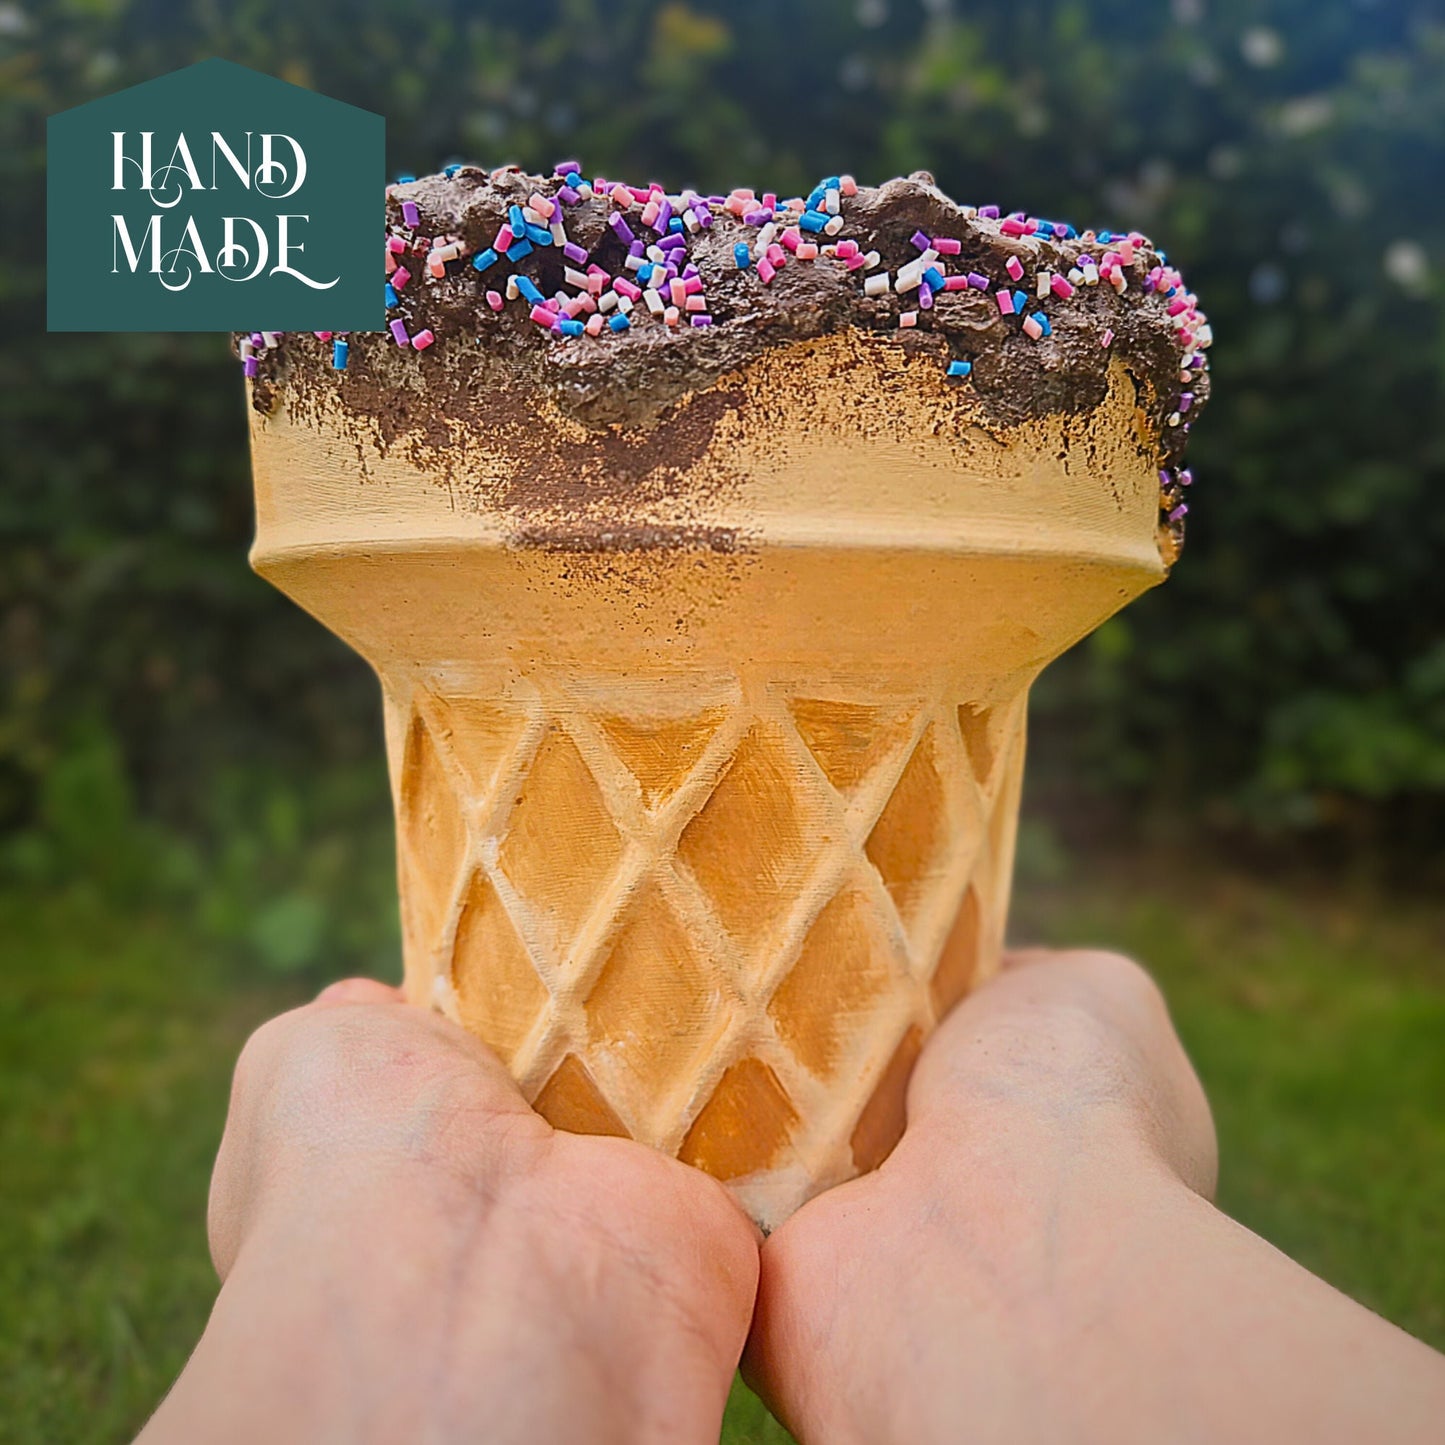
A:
(408, 1253)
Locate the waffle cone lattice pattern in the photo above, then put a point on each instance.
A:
(720, 924)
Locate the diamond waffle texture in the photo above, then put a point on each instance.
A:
(722, 924)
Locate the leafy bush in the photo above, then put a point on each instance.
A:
(1291, 674)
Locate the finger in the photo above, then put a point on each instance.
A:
(359, 990)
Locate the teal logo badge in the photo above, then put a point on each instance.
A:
(215, 199)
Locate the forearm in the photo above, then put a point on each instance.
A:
(1088, 1297)
(484, 1314)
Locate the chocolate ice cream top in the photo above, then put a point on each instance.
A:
(618, 299)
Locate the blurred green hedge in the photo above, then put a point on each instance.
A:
(1288, 154)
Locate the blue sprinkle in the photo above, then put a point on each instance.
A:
(537, 235)
(812, 220)
(339, 352)
(933, 278)
(570, 327)
(959, 368)
(1044, 322)
(516, 220)
(404, 180)
(1105, 237)
(675, 225)
(644, 272)
(1020, 301)
(451, 170)
(619, 322)
(391, 298)
(527, 288)
(485, 260)
(518, 249)
(742, 256)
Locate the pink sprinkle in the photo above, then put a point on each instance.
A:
(792, 238)
(398, 331)
(777, 255)
(947, 245)
(955, 283)
(423, 339)
(671, 315)
(543, 207)
(908, 318)
(622, 196)
(595, 324)
(677, 289)
(1011, 227)
(1015, 268)
(770, 200)
(1005, 302)
(324, 335)
(1178, 306)
(845, 249)
(1032, 327)
(854, 263)
(400, 277)
(695, 303)
(847, 186)
(1108, 338)
(494, 300)
(693, 284)
(1062, 287)
(542, 316)
(396, 244)
(504, 239)
(766, 271)
(626, 288)
(390, 263)
(437, 268)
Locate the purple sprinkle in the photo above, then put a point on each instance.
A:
(757, 218)
(568, 196)
(257, 339)
(925, 296)
(989, 213)
(977, 281)
(672, 241)
(1061, 231)
(716, 200)
(1186, 478)
(575, 253)
(664, 215)
(921, 241)
(1180, 512)
(410, 214)
(398, 330)
(637, 248)
(621, 227)
(251, 366)
(704, 216)
(689, 271)
(1186, 400)
(701, 318)
(1164, 478)
(566, 168)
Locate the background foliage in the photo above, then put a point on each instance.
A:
(1289, 680)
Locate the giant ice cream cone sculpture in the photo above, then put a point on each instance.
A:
(706, 724)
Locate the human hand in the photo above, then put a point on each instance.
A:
(1038, 1259)
(408, 1252)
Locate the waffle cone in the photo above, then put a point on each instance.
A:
(706, 786)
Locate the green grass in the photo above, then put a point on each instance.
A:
(1318, 1027)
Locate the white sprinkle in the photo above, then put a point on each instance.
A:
(512, 292)
(574, 277)
(559, 234)
(656, 253)
(765, 239)
(1175, 419)
(1044, 282)
(1076, 276)
(633, 263)
(624, 304)
(271, 338)
(835, 224)
(830, 200)
(1091, 274)
(531, 217)
(690, 220)
(872, 261)
(654, 301)
(607, 300)
(876, 285)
